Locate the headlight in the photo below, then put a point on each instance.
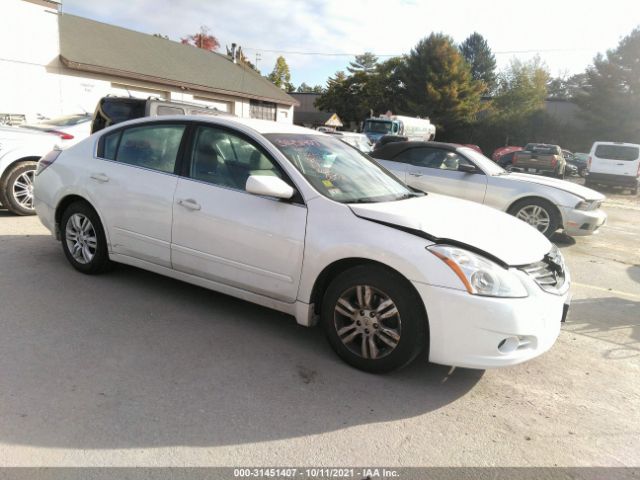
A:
(588, 205)
(479, 275)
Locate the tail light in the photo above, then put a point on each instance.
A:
(589, 164)
(554, 160)
(62, 135)
(47, 160)
(638, 174)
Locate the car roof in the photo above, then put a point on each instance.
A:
(260, 126)
(394, 148)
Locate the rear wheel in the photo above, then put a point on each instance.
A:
(374, 319)
(83, 239)
(538, 213)
(17, 188)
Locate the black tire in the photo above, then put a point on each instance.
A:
(99, 261)
(411, 319)
(13, 196)
(550, 210)
(582, 172)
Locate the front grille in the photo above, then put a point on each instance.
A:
(549, 273)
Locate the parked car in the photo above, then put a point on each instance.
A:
(112, 110)
(297, 221)
(506, 160)
(385, 139)
(545, 203)
(614, 164)
(70, 128)
(576, 163)
(474, 147)
(20, 150)
(540, 158)
(499, 152)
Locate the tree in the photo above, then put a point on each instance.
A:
(610, 96)
(564, 87)
(280, 76)
(438, 83)
(520, 95)
(202, 39)
(478, 55)
(363, 63)
(304, 88)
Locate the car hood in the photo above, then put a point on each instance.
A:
(578, 190)
(445, 219)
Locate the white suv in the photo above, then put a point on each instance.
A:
(296, 220)
(614, 164)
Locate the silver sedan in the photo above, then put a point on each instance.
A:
(547, 204)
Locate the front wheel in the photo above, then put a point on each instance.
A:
(17, 188)
(83, 239)
(374, 319)
(538, 213)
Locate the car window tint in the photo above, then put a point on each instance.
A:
(433, 158)
(617, 152)
(154, 147)
(110, 145)
(224, 159)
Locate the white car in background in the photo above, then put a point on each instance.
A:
(295, 220)
(21, 148)
(546, 204)
(69, 128)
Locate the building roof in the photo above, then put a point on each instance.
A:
(97, 47)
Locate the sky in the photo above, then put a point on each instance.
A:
(320, 37)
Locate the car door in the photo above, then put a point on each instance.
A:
(225, 234)
(132, 184)
(437, 170)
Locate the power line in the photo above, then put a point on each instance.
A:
(334, 54)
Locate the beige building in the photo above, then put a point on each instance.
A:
(53, 63)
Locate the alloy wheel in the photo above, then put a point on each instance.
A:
(367, 322)
(23, 190)
(81, 238)
(536, 216)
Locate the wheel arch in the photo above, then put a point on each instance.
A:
(14, 162)
(68, 200)
(338, 266)
(555, 208)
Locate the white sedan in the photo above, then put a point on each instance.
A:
(547, 204)
(297, 221)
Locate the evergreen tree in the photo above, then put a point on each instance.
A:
(478, 55)
(363, 63)
(438, 83)
(610, 97)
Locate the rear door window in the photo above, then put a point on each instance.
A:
(153, 146)
(617, 152)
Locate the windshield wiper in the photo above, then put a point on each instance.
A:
(410, 195)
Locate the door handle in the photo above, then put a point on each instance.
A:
(100, 177)
(415, 174)
(189, 203)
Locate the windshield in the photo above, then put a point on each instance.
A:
(361, 144)
(489, 167)
(377, 126)
(339, 171)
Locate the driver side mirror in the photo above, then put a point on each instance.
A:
(466, 168)
(269, 186)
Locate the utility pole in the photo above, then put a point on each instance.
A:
(258, 57)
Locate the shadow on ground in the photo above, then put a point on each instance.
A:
(613, 320)
(132, 359)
